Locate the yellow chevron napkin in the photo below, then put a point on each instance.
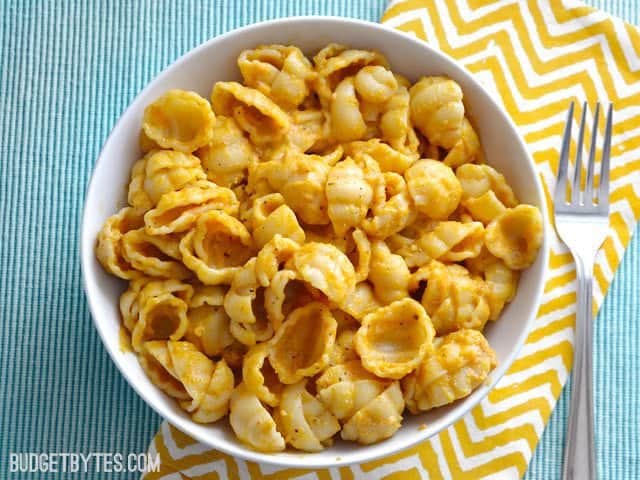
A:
(535, 57)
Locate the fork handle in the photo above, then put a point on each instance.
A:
(580, 447)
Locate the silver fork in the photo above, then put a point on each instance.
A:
(582, 224)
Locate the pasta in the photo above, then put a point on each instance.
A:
(178, 211)
(304, 420)
(361, 301)
(349, 195)
(395, 123)
(453, 298)
(153, 255)
(244, 303)
(179, 120)
(282, 73)
(109, 249)
(453, 241)
(225, 159)
(160, 172)
(326, 268)
(515, 236)
(208, 328)
(388, 273)
(461, 362)
(252, 423)
(259, 376)
(302, 344)
(394, 339)
(216, 247)
(384, 157)
(437, 110)
(315, 248)
(370, 408)
(347, 121)
(208, 385)
(434, 188)
(391, 209)
(501, 281)
(254, 112)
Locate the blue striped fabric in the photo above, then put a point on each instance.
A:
(67, 71)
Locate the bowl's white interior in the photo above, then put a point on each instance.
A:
(216, 60)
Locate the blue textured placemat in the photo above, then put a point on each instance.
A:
(67, 71)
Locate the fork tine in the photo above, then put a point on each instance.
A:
(603, 192)
(575, 186)
(561, 182)
(588, 192)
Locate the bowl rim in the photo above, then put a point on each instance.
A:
(306, 461)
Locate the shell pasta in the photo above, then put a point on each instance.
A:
(314, 251)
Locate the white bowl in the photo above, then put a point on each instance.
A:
(216, 60)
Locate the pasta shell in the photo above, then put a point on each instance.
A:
(216, 248)
(388, 274)
(285, 293)
(162, 316)
(282, 222)
(310, 130)
(156, 256)
(391, 207)
(453, 241)
(375, 84)
(387, 158)
(275, 253)
(109, 249)
(452, 298)
(281, 72)
(347, 387)
(434, 188)
(360, 255)
(396, 127)
(344, 349)
(393, 340)
(129, 305)
(244, 303)
(477, 180)
(501, 281)
(305, 422)
(167, 171)
(405, 244)
(467, 149)
(335, 62)
(304, 187)
(515, 236)
(259, 377)
(362, 301)
(158, 374)
(145, 143)
(255, 113)
(349, 195)
(215, 402)
(252, 423)
(347, 121)
(179, 120)
(437, 110)
(378, 419)
(226, 158)
(462, 361)
(178, 211)
(208, 384)
(326, 268)
(301, 346)
(208, 327)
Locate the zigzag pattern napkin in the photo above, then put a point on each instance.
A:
(535, 57)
